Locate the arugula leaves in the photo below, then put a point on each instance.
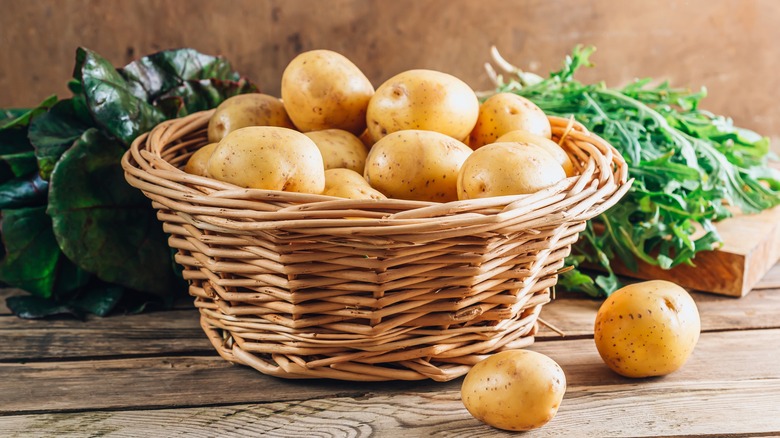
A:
(75, 234)
(688, 165)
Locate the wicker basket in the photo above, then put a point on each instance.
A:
(310, 286)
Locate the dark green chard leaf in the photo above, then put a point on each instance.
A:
(103, 224)
(99, 299)
(32, 261)
(17, 156)
(21, 118)
(28, 191)
(152, 76)
(32, 307)
(193, 96)
(53, 132)
(10, 114)
(111, 101)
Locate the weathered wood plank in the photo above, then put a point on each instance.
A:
(771, 280)
(698, 400)
(160, 333)
(196, 381)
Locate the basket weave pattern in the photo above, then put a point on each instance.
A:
(310, 286)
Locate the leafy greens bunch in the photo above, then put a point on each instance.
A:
(691, 168)
(75, 235)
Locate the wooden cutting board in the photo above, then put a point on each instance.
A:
(751, 247)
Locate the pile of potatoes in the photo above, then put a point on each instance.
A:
(421, 135)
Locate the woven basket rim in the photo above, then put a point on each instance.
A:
(601, 183)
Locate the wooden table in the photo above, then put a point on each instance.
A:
(156, 375)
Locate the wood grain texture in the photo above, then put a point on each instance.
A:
(171, 333)
(206, 381)
(597, 403)
(736, 56)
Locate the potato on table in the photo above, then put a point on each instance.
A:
(514, 390)
(647, 329)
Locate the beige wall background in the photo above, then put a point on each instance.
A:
(730, 46)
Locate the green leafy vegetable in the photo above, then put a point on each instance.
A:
(20, 118)
(28, 191)
(100, 247)
(688, 165)
(112, 103)
(54, 132)
(152, 76)
(102, 223)
(99, 299)
(31, 251)
(17, 156)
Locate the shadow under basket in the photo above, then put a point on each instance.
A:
(311, 286)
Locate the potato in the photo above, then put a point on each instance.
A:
(269, 157)
(423, 99)
(416, 165)
(198, 162)
(504, 112)
(340, 148)
(548, 145)
(507, 169)
(346, 183)
(514, 390)
(253, 109)
(647, 329)
(322, 89)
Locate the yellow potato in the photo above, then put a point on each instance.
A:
(322, 89)
(416, 165)
(198, 162)
(647, 329)
(340, 148)
(423, 99)
(550, 146)
(507, 169)
(504, 112)
(346, 183)
(254, 109)
(269, 157)
(514, 390)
